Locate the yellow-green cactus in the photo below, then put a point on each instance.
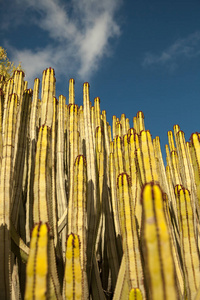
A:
(133, 229)
(73, 278)
(157, 252)
(37, 275)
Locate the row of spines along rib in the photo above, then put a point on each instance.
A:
(63, 134)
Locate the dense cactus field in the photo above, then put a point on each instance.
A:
(89, 210)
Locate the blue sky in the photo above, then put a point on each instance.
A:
(136, 54)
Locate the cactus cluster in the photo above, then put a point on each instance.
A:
(90, 212)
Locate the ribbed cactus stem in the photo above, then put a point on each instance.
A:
(135, 124)
(126, 144)
(19, 160)
(1, 123)
(42, 206)
(73, 278)
(183, 159)
(119, 129)
(9, 91)
(127, 124)
(92, 200)
(123, 123)
(31, 159)
(114, 119)
(97, 111)
(54, 181)
(73, 153)
(160, 164)
(71, 91)
(148, 157)
(18, 87)
(93, 120)
(79, 223)
(122, 287)
(5, 198)
(176, 168)
(81, 129)
(25, 85)
(135, 186)
(106, 134)
(135, 294)
(188, 243)
(48, 92)
(113, 184)
(129, 234)
(156, 243)
(60, 172)
(195, 156)
(37, 278)
(171, 194)
(175, 247)
(118, 156)
(140, 122)
(171, 141)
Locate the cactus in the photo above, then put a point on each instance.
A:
(88, 211)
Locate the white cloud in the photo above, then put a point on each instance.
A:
(188, 47)
(80, 34)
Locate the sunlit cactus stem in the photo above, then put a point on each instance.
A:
(73, 278)
(37, 271)
(31, 159)
(188, 242)
(157, 253)
(129, 234)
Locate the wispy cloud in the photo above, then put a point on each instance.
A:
(79, 35)
(186, 48)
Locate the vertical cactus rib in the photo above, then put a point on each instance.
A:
(1, 124)
(129, 234)
(135, 184)
(42, 206)
(135, 294)
(18, 87)
(140, 122)
(113, 186)
(79, 221)
(184, 160)
(97, 111)
(48, 92)
(158, 259)
(122, 286)
(123, 124)
(188, 243)
(31, 159)
(73, 274)
(37, 278)
(73, 153)
(5, 197)
(71, 91)
(121, 226)
(146, 158)
(53, 153)
(171, 141)
(60, 172)
(174, 237)
(118, 156)
(92, 201)
(19, 161)
(8, 92)
(195, 156)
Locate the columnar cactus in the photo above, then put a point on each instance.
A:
(88, 211)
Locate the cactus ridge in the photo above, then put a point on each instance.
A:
(90, 211)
